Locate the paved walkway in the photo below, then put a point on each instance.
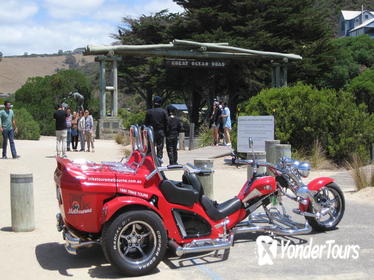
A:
(209, 152)
(40, 254)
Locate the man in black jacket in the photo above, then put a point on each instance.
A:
(158, 119)
(172, 133)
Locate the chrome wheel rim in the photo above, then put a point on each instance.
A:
(331, 206)
(137, 242)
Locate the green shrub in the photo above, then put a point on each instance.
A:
(205, 136)
(304, 114)
(27, 127)
(362, 87)
(122, 138)
(39, 96)
(129, 118)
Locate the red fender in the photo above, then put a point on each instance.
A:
(318, 183)
(111, 207)
(315, 185)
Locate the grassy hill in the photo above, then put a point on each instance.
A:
(14, 71)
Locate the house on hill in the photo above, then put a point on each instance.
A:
(356, 23)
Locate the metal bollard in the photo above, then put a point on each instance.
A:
(282, 150)
(270, 150)
(206, 180)
(181, 141)
(22, 202)
(260, 156)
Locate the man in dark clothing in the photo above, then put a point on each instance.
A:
(61, 130)
(172, 131)
(158, 119)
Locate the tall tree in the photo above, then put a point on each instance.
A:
(142, 75)
(291, 26)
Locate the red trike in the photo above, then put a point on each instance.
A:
(135, 212)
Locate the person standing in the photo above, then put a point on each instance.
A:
(7, 128)
(216, 118)
(68, 127)
(213, 121)
(89, 131)
(172, 132)
(81, 130)
(61, 130)
(74, 131)
(226, 124)
(158, 119)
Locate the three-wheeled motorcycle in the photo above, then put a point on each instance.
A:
(135, 212)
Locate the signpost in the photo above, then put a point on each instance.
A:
(191, 63)
(260, 128)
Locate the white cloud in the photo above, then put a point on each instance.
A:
(75, 23)
(17, 39)
(16, 10)
(158, 5)
(70, 9)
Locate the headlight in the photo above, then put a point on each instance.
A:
(304, 169)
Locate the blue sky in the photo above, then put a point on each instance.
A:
(46, 26)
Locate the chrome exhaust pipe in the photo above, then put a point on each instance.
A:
(203, 245)
(73, 242)
(273, 228)
(306, 214)
(291, 227)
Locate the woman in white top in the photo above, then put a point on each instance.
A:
(81, 130)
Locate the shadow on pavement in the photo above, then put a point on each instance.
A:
(7, 229)
(174, 262)
(53, 256)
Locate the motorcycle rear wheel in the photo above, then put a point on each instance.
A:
(135, 242)
(330, 196)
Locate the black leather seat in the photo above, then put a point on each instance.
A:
(191, 179)
(179, 193)
(217, 211)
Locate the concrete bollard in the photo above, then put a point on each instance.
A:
(260, 156)
(270, 150)
(181, 141)
(282, 150)
(22, 202)
(206, 180)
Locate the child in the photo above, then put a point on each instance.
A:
(172, 131)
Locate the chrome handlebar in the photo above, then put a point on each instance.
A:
(250, 162)
(189, 168)
(284, 168)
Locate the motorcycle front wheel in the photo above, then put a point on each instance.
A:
(331, 199)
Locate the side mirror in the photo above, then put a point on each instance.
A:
(250, 142)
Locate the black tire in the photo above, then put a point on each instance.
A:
(335, 216)
(135, 242)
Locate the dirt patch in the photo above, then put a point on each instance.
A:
(365, 195)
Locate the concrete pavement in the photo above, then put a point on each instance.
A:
(40, 254)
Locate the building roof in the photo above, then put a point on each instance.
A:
(187, 49)
(179, 107)
(348, 15)
(365, 24)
